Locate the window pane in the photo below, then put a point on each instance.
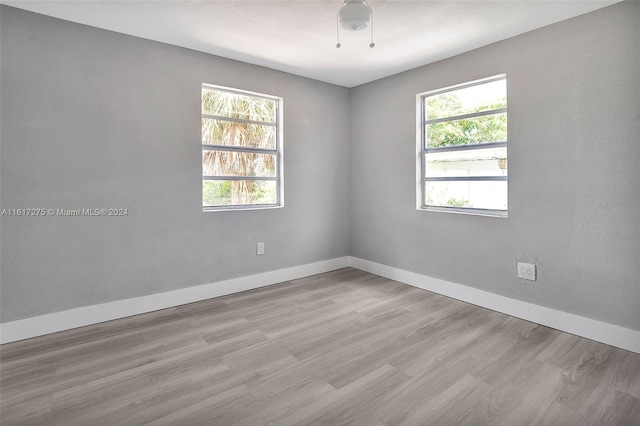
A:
(483, 97)
(475, 162)
(476, 194)
(234, 105)
(228, 163)
(229, 133)
(216, 193)
(488, 128)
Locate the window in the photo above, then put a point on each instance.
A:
(462, 148)
(241, 149)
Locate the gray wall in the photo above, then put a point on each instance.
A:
(95, 119)
(574, 174)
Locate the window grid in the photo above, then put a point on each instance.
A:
(277, 151)
(425, 149)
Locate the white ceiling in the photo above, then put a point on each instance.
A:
(299, 36)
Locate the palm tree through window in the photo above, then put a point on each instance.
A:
(241, 149)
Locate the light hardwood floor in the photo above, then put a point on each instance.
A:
(345, 347)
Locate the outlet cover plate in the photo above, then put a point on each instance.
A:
(259, 249)
(526, 271)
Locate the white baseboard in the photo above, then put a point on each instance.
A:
(613, 335)
(79, 317)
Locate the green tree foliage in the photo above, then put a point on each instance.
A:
(216, 193)
(453, 202)
(230, 133)
(488, 128)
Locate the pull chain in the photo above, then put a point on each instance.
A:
(338, 31)
(372, 45)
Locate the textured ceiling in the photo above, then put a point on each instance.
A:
(300, 36)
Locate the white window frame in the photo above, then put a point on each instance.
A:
(422, 150)
(278, 151)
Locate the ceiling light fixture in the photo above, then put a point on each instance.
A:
(354, 15)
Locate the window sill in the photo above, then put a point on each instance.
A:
(240, 208)
(471, 212)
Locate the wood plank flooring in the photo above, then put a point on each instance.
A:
(341, 348)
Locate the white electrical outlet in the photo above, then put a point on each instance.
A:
(259, 249)
(526, 271)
